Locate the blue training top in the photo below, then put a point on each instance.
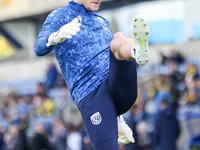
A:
(83, 59)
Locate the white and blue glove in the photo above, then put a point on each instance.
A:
(65, 32)
(125, 134)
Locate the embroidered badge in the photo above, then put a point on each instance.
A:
(96, 118)
(101, 20)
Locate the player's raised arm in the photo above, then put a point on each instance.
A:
(50, 25)
(54, 31)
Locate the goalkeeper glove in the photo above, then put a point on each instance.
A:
(125, 134)
(65, 32)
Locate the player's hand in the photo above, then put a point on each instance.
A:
(65, 32)
(125, 134)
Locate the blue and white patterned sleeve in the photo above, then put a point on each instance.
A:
(52, 24)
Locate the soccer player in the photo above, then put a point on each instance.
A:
(99, 68)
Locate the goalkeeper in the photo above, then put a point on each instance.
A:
(99, 68)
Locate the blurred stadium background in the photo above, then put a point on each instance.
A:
(34, 97)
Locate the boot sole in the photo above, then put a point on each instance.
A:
(140, 36)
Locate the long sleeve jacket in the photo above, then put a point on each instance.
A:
(83, 59)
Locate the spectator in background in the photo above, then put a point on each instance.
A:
(174, 56)
(3, 120)
(16, 139)
(60, 81)
(161, 92)
(48, 106)
(176, 78)
(144, 137)
(191, 72)
(51, 76)
(137, 121)
(11, 109)
(40, 142)
(177, 57)
(22, 107)
(197, 90)
(86, 145)
(164, 59)
(2, 143)
(131, 122)
(190, 92)
(166, 129)
(9, 145)
(63, 100)
(149, 91)
(41, 90)
(74, 137)
(138, 110)
(37, 104)
(59, 137)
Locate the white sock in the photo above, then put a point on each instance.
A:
(133, 52)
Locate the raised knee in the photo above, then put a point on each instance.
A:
(117, 39)
(118, 35)
(116, 44)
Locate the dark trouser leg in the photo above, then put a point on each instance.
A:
(122, 83)
(100, 118)
(110, 144)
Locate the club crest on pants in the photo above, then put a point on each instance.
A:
(96, 118)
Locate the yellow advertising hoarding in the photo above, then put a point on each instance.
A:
(6, 50)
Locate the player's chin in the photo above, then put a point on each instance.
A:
(94, 8)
